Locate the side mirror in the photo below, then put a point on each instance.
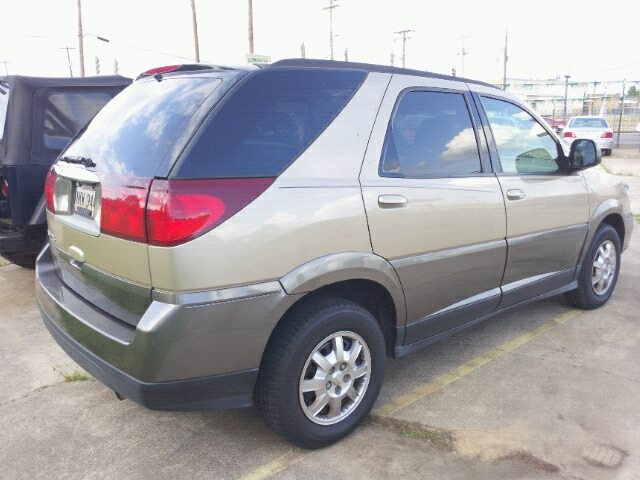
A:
(583, 154)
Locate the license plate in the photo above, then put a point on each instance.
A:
(85, 200)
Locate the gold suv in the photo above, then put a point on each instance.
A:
(219, 235)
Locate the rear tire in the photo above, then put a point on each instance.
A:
(321, 372)
(599, 272)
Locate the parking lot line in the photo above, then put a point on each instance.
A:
(469, 367)
(298, 454)
(279, 464)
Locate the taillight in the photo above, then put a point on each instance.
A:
(180, 210)
(49, 185)
(123, 206)
(607, 135)
(5, 188)
(569, 135)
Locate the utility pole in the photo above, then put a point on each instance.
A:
(116, 70)
(346, 55)
(624, 82)
(506, 59)
(251, 27)
(566, 91)
(463, 52)
(393, 57)
(303, 51)
(6, 69)
(404, 41)
(330, 8)
(80, 39)
(68, 59)
(195, 30)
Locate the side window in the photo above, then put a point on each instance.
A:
(523, 144)
(431, 135)
(67, 112)
(264, 125)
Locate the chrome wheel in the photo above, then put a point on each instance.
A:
(604, 268)
(335, 378)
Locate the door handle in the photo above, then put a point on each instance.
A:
(392, 201)
(516, 194)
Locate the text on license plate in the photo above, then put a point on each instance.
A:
(85, 200)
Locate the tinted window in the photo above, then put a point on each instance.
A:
(66, 112)
(268, 121)
(431, 135)
(523, 144)
(4, 103)
(589, 123)
(132, 133)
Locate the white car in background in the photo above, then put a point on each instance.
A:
(592, 128)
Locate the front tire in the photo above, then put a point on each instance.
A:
(599, 272)
(321, 373)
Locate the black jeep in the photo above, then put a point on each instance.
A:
(38, 118)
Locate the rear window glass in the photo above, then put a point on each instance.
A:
(589, 123)
(268, 122)
(67, 112)
(4, 103)
(132, 134)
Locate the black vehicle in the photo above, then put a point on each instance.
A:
(38, 118)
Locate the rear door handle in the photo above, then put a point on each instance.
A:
(392, 201)
(516, 194)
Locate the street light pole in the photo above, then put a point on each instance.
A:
(251, 27)
(566, 90)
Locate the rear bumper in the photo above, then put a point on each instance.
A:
(180, 356)
(12, 242)
(31, 240)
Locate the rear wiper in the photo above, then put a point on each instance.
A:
(87, 162)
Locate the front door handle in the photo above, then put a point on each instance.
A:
(392, 201)
(516, 194)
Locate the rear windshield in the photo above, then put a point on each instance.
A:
(270, 119)
(4, 103)
(589, 123)
(132, 134)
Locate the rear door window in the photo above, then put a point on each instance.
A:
(431, 135)
(267, 122)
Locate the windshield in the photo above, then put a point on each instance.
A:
(132, 134)
(4, 103)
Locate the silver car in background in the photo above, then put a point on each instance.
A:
(593, 128)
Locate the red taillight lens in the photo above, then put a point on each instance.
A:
(49, 184)
(569, 135)
(5, 188)
(607, 135)
(123, 205)
(180, 210)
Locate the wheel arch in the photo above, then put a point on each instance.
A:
(365, 279)
(609, 212)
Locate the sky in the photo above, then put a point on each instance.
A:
(546, 39)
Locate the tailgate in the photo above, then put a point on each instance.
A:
(109, 272)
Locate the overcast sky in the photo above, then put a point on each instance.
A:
(547, 39)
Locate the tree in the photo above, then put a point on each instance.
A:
(632, 92)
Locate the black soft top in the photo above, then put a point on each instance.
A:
(369, 67)
(17, 148)
(20, 81)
